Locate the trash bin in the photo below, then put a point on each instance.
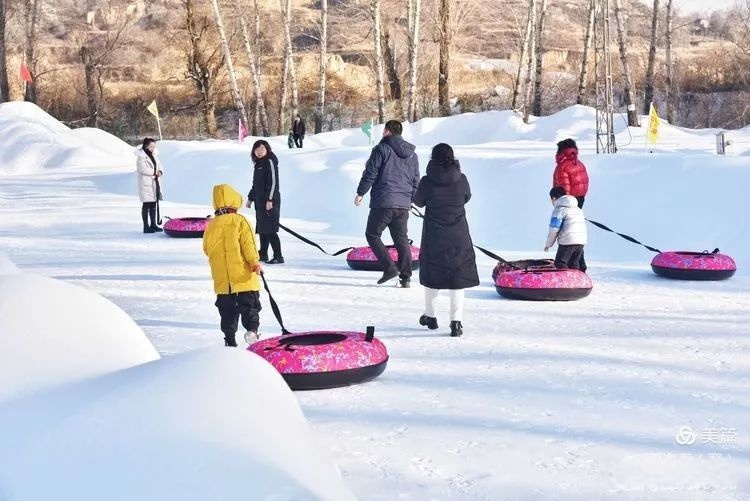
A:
(723, 142)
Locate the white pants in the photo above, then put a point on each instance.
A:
(457, 303)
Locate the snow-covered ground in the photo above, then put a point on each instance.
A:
(580, 400)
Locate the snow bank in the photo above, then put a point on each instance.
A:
(32, 141)
(7, 267)
(213, 424)
(52, 333)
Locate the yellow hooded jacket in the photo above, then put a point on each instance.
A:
(229, 243)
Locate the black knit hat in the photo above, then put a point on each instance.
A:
(565, 144)
(443, 153)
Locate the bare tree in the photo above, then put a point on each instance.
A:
(286, 10)
(445, 39)
(627, 81)
(539, 59)
(530, 67)
(648, 96)
(204, 61)
(583, 81)
(413, 9)
(95, 54)
(525, 42)
(670, 66)
(283, 95)
(4, 85)
(375, 15)
(320, 107)
(260, 106)
(31, 15)
(239, 104)
(389, 61)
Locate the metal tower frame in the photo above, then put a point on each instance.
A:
(605, 134)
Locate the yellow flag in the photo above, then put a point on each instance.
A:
(153, 109)
(653, 125)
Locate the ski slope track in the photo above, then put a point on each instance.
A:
(640, 391)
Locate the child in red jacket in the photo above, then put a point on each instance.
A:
(570, 173)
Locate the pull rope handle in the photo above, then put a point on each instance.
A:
(274, 306)
(626, 237)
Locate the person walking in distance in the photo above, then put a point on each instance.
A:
(298, 131)
(392, 177)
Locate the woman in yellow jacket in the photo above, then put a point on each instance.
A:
(229, 243)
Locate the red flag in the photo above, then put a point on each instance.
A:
(242, 131)
(26, 74)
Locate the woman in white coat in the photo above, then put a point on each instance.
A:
(149, 172)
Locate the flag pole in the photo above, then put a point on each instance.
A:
(158, 122)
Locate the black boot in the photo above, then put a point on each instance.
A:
(263, 258)
(457, 329)
(429, 322)
(276, 260)
(230, 342)
(388, 275)
(144, 216)
(152, 215)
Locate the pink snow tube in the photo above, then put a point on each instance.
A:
(326, 359)
(543, 284)
(362, 258)
(682, 265)
(186, 227)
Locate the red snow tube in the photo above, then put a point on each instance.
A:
(326, 359)
(186, 227)
(362, 258)
(704, 265)
(543, 284)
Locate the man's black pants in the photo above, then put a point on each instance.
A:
(397, 221)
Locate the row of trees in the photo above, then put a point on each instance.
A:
(222, 47)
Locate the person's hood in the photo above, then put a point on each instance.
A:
(443, 173)
(226, 196)
(567, 154)
(401, 147)
(139, 152)
(567, 201)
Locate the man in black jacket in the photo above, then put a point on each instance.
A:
(298, 131)
(392, 172)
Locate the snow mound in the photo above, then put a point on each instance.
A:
(32, 141)
(209, 424)
(52, 333)
(7, 267)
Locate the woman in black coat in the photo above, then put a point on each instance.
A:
(446, 259)
(267, 197)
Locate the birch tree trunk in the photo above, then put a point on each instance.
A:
(92, 98)
(583, 82)
(4, 85)
(228, 61)
(648, 96)
(286, 7)
(530, 67)
(282, 128)
(375, 13)
(31, 14)
(414, 8)
(320, 108)
(539, 60)
(522, 59)
(670, 66)
(627, 81)
(445, 41)
(260, 105)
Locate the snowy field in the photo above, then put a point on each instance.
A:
(581, 400)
